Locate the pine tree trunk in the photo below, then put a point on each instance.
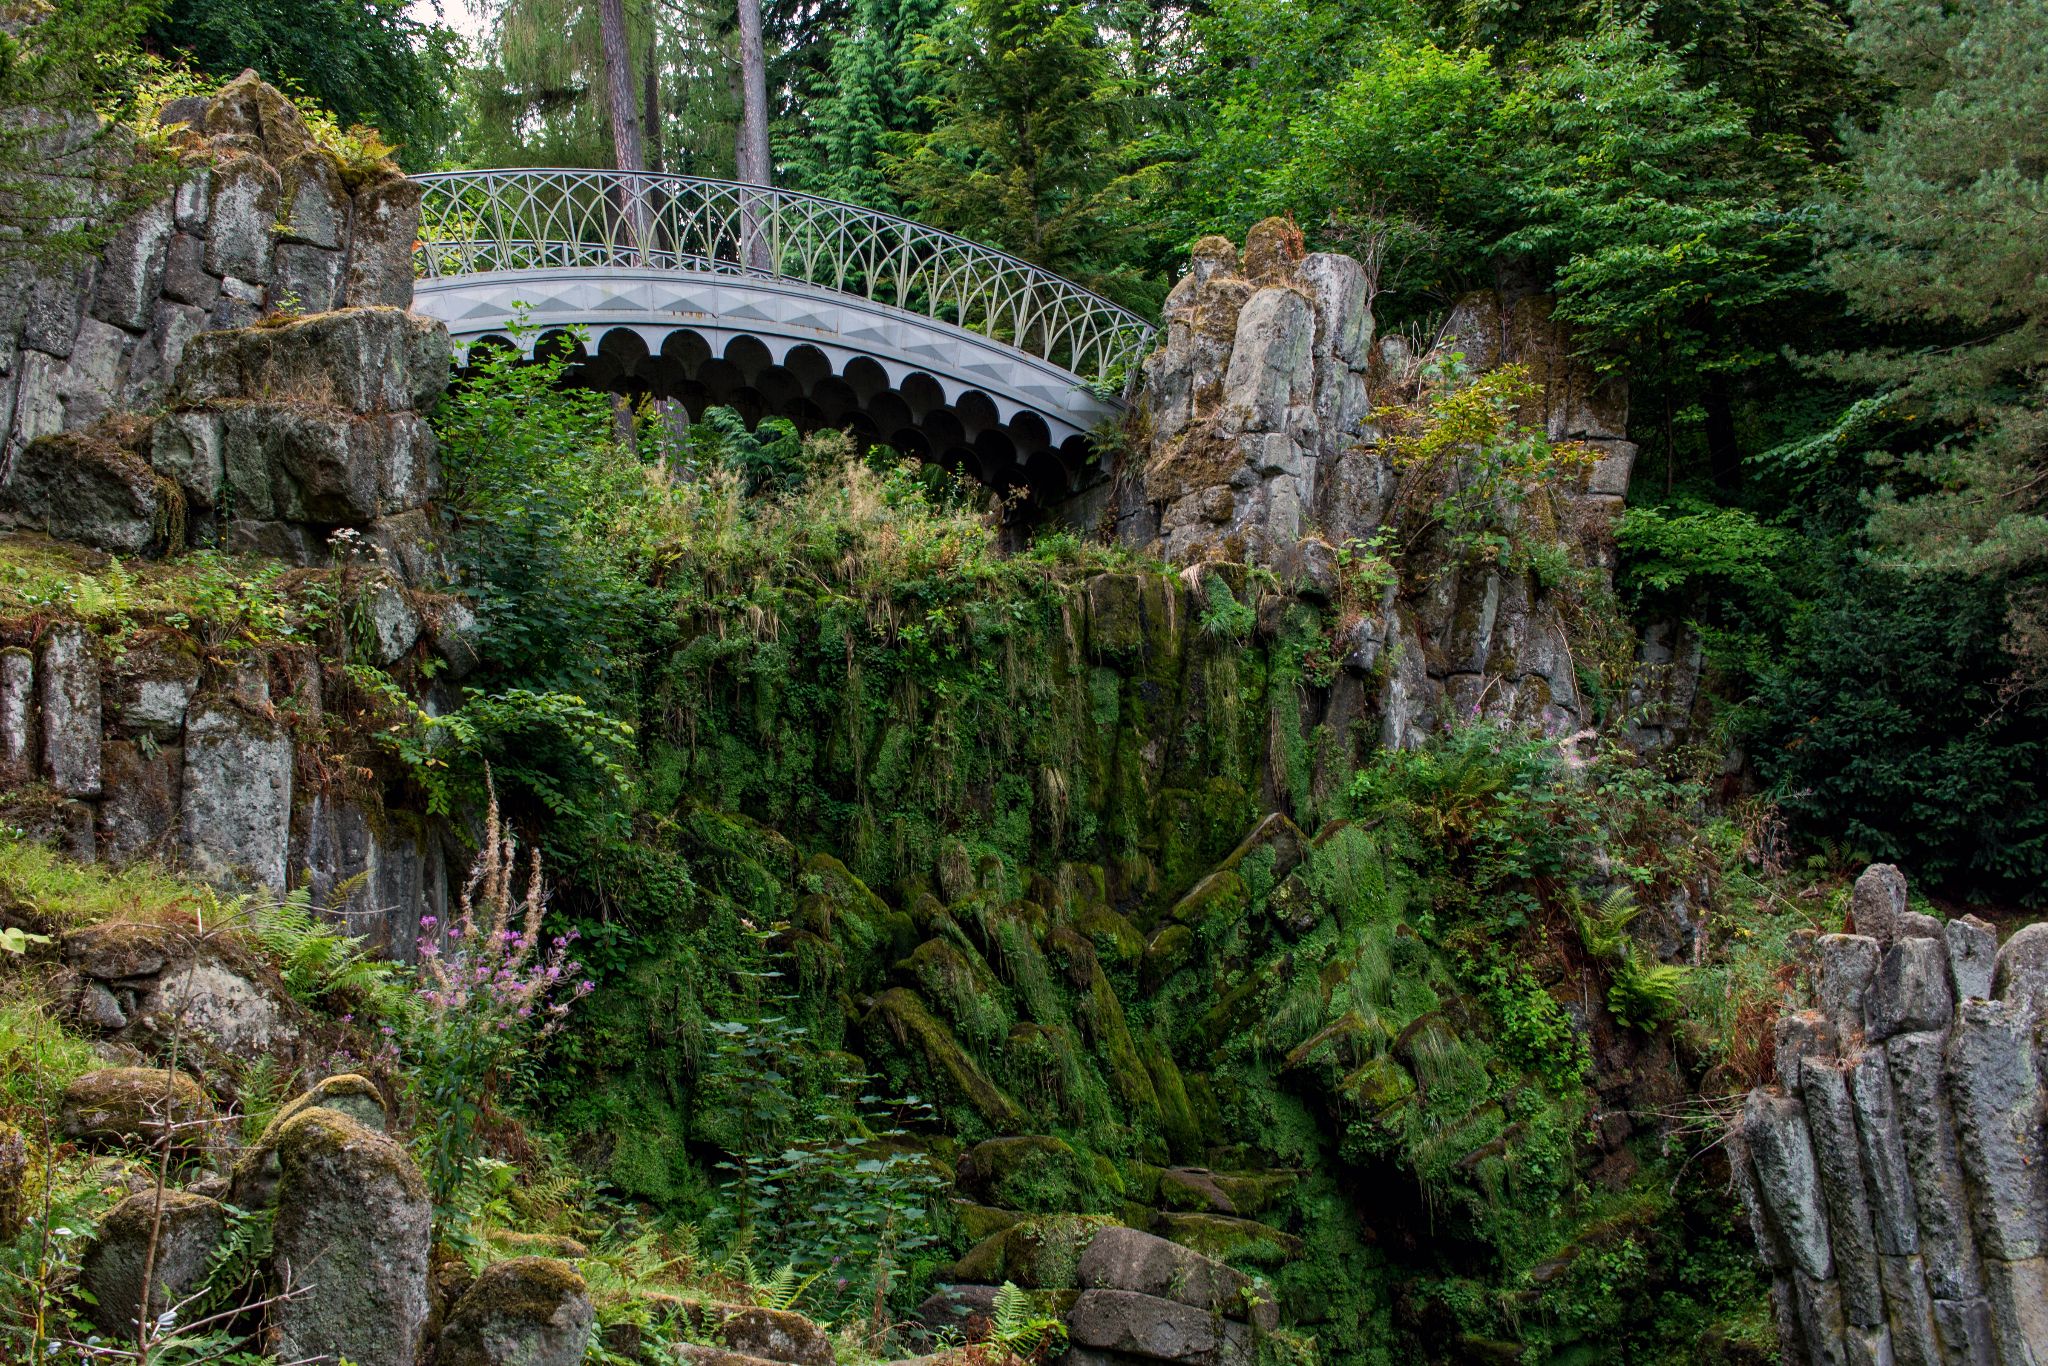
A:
(651, 122)
(618, 78)
(752, 153)
(752, 157)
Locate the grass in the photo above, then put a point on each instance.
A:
(68, 895)
(225, 599)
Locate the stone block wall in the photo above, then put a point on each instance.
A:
(1256, 445)
(1896, 1176)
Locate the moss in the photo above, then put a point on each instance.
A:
(1037, 1174)
(131, 1104)
(905, 1021)
(1229, 1239)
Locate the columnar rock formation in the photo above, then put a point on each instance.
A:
(1257, 445)
(264, 219)
(1897, 1174)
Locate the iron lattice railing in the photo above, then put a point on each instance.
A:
(472, 222)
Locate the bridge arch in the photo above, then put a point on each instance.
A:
(777, 303)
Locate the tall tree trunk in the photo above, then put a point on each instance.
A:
(651, 122)
(751, 156)
(618, 80)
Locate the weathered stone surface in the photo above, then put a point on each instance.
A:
(1162, 1330)
(1820, 1320)
(156, 356)
(185, 1228)
(1947, 1250)
(69, 674)
(185, 278)
(132, 268)
(2022, 971)
(17, 716)
(193, 204)
(1972, 956)
(1127, 1259)
(208, 999)
(1831, 1122)
(1799, 1035)
(1909, 1312)
(2017, 1293)
(387, 223)
(187, 448)
(259, 1167)
(1911, 991)
(80, 487)
(246, 197)
(1034, 1173)
(1848, 963)
(123, 1105)
(139, 817)
(307, 279)
(1964, 1327)
(366, 360)
(1894, 1216)
(317, 205)
(354, 1223)
(236, 817)
(772, 1335)
(1775, 1128)
(1869, 1346)
(1996, 1094)
(529, 1311)
(959, 1311)
(1878, 902)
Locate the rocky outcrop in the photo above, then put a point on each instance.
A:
(265, 220)
(151, 748)
(169, 992)
(1256, 442)
(1897, 1174)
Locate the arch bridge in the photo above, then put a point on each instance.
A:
(784, 304)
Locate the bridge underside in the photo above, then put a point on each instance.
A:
(778, 348)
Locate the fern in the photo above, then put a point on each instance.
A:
(236, 1263)
(1019, 1327)
(782, 1290)
(316, 959)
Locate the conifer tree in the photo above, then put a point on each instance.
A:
(1944, 244)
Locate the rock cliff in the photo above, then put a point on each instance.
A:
(1256, 442)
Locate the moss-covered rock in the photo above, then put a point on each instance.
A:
(1228, 1239)
(530, 1311)
(257, 1169)
(350, 1202)
(1035, 1173)
(115, 950)
(898, 1017)
(185, 1228)
(119, 1106)
(769, 1334)
(1039, 1252)
(13, 1179)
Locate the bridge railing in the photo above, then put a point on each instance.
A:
(474, 222)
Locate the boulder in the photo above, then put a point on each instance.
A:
(259, 1167)
(246, 198)
(117, 950)
(354, 1223)
(386, 224)
(773, 1335)
(394, 625)
(530, 1311)
(1162, 1330)
(132, 268)
(1033, 1172)
(1848, 963)
(1128, 1259)
(191, 1226)
(123, 1105)
(961, 1312)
